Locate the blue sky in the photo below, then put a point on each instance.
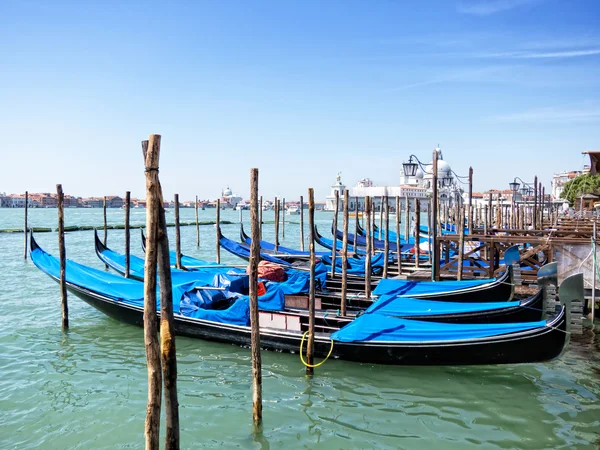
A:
(300, 90)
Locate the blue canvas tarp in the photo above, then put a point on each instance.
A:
(412, 288)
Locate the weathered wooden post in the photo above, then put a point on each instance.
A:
(380, 217)
(260, 210)
(276, 225)
(283, 218)
(301, 223)
(490, 210)
(372, 225)
(335, 226)
(127, 233)
(470, 214)
(152, 344)
(368, 249)
(417, 231)
(105, 224)
(398, 240)
(485, 220)
(386, 247)
(435, 267)
(542, 205)
(535, 197)
(197, 224)
(218, 232)
(25, 229)
(355, 224)
(345, 255)
(254, 319)
(407, 215)
(311, 292)
(461, 245)
(163, 355)
(429, 218)
(62, 257)
(177, 235)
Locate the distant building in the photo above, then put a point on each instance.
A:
(229, 199)
(560, 179)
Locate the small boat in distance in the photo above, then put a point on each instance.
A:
(293, 210)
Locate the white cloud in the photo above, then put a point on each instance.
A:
(485, 8)
(542, 55)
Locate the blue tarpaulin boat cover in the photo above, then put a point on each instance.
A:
(405, 306)
(407, 288)
(377, 327)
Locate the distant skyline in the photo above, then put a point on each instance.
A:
(301, 90)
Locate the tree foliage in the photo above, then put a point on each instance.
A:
(584, 184)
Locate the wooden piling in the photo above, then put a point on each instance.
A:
(127, 233)
(429, 218)
(62, 256)
(470, 210)
(335, 226)
(380, 218)
(283, 218)
(368, 250)
(152, 424)
(535, 198)
(177, 235)
(345, 255)
(386, 248)
(276, 225)
(105, 224)
(218, 232)
(407, 215)
(197, 224)
(490, 210)
(398, 241)
(311, 293)
(461, 244)
(301, 223)
(254, 319)
(417, 231)
(372, 225)
(260, 211)
(435, 266)
(355, 224)
(485, 220)
(163, 355)
(25, 228)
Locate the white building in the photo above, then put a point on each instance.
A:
(229, 199)
(411, 187)
(560, 179)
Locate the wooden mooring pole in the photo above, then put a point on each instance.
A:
(152, 344)
(218, 232)
(355, 224)
(417, 231)
(386, 246)
(368, 249)
(105, 224)
(276, 225)
(260, 211)
(407, 215)
(398, 240)
(311, 292)
(345, 255)
(127, 233)
(435, 266)
(62, 256)
(163, 355)
(535, 199)
(461, 243)
(254, 319)
(301, 223)
(25, 228)
(197, 224)
(283, 218)
(335, 226)
(177, 234)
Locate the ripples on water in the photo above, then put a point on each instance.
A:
(87, 388)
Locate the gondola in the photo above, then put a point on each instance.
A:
(370, 338)
(269, 247)
(529, 309)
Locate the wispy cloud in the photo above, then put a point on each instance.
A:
(541, 55)
(552, 115)
(486, 8)
(462, 76)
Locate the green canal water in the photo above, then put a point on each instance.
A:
(86, 388)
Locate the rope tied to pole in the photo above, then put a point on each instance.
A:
(302, 357)
(150, 169)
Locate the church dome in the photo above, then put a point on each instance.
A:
(419, 175)
(227, 192)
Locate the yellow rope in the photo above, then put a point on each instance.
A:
(302, 357)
